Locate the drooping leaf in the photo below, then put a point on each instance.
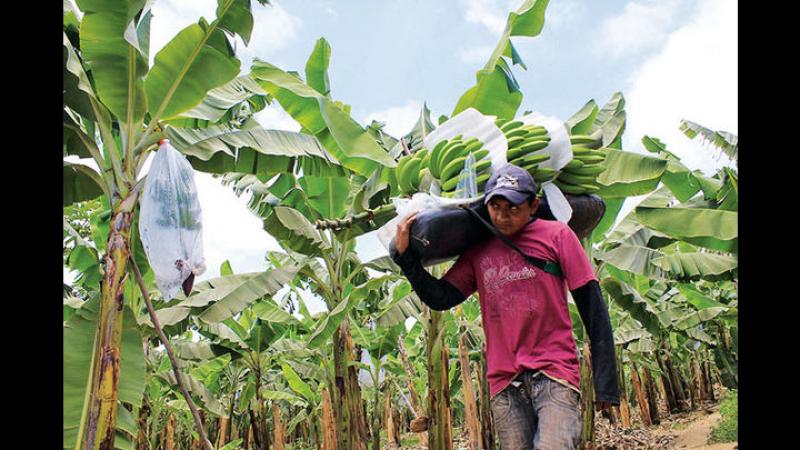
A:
(629, 174)
(268, 311)
(235, 17)
(342, 136)
(696, 265)
(117, 67)
(709, 228)
(326, 327)
(81, 183)
(327, 195)
(264, 284)
(291, 228)
(727, 142)
(220, 100)
(636, 259)
(630, 300)
(297, 384)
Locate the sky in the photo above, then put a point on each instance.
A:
(671, 59)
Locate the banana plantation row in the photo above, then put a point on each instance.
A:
(239, 361)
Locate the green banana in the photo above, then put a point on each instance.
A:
(588, 159)
(542, 174)
(411, 173)
(510, 126)
(399, 171)
(453, 168)
(482, 165)
(530, 158)
(434, 158)
(473, 146)
(481, 181)
(480, 154)
(517, 140)
(448, 155)
(593, 169)
(576, 179)
(587, 141)
(573, 164)
(517, 132)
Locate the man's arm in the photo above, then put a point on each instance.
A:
(594, 314)
(438, 294)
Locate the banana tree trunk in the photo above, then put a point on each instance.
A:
(624, 406)
(415, 401)
(650, 390)
(487, 425)
(641, 397)
(279, 427)
(223, 432)
(196, 445)
(439, 433)
(470, 405)
(142, 443)
(328, 422)
(669, 391)
(376, 420)
(170, 438)
(101, 424)
(587, 397)
(392, 440)
(350, 421)
(707, 376)
(675, 381)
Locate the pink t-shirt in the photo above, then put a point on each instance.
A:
(524, 309)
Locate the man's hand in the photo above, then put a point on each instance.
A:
(403, 231)
(599, 406)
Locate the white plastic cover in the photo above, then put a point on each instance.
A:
(470, 123)
(560, 150)
(170, 221)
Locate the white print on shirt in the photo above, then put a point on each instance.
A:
(504, 279)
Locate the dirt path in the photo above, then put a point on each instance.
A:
(695, 435)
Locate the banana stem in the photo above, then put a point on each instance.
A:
(348, 221)
(154, 318)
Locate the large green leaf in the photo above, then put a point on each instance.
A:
(634, 258)
(491, 95)
(267, 283)
(495, 92)
(317, 67)
(117, 67)
(81, 183)
(269, 311)
(187, 68)
(293, 230)
(79, 339)
(696, 265)
(221, 99)
(327, 195)
(297, 384)
(710, 228)
(629, 174)
(77, 88)
(697, 298)
(581, 122)
(614, 105)
(680, 180)
(613, 207)
(198, 389)
(216, 289)
(221, 149)
(326, 327)
(342, 136)
(630, 300)
(235, 17)
(168, 316)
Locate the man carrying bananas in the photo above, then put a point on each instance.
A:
(532, 359)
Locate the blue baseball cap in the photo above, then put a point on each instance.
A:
(511, 182)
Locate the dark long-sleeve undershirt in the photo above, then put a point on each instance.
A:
(440, 295)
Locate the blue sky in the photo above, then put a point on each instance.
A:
(672, 59)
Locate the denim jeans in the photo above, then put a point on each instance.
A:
(537, 413)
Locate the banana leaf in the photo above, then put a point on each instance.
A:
(629, 174)
(709, 228)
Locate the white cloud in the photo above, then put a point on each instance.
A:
(399, 120)
(273, 26)
(641, 25)
(694, 78)
(561, 13)
(486, 13)
(475, 55)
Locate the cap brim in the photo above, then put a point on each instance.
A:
(515, 197)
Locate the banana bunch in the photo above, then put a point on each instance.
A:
(448, 158)
(579, 176)
(411, 169)
(525, 143)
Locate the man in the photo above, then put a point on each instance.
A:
(532, 359)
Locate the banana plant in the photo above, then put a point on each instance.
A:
(116, 109)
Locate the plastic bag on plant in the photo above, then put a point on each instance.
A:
(170, 222)
(467, 186)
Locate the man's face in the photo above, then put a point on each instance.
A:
(509, 218)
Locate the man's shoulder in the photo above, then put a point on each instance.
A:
(552, 227)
